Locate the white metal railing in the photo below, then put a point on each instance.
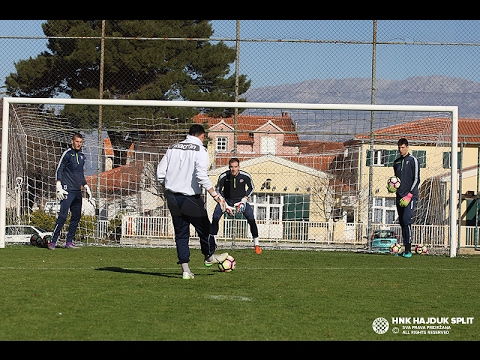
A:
(471, 236)
(295, 232)
(431, 235)
(147, 226)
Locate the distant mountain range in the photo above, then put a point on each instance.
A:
(419, 90)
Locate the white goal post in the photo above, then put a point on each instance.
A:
(451, 110)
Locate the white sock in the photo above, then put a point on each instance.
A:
(185, 267)
(256, 242)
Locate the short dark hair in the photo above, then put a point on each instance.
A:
(196, 130)
(232, 160)
(402, 141)
(77, 135)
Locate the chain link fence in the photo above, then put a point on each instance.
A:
(311, 61)
(411, 62)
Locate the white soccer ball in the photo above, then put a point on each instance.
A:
(393, 183)
(228, 264)
(395, 248)
(421, 249)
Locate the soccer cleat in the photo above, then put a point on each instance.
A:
(71, 246)
(216, 259)
(407, 255)
(51, 246)
(258, 250)
(187, 275)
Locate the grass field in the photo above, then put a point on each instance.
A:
(113, 293)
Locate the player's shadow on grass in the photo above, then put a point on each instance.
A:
(130, 271)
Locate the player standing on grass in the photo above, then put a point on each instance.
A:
(70, 179)
(407, 169)
(183, 172)
(236, 186)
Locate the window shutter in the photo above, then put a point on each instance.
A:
(421, 156)
(390, 156)
(369, 157)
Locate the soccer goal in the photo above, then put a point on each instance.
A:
(319, 170)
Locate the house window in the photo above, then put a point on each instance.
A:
(390, 216)
(384, 210)
(148, 182)
(261, 213)
(377, 216)
(267, 207)
(221, 143)
(473, 213)
(378, 157)
(297, 207)
(268, 145)
(381, 157)
(447, 160)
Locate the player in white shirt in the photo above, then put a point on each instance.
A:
(183, 172)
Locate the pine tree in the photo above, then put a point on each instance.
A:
(134, 68)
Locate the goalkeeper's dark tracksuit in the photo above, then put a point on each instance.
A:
(407, 169)
(233, 189)
(70, 172)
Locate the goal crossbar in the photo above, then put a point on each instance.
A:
(239, 105)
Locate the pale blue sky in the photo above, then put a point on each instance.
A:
(288, 62)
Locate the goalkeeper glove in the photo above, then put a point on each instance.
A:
(406, 200)
(220, 200)
(61, 193)
(230, 210)
(91, 200)
(240, 206)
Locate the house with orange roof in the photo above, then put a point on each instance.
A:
(249, 136)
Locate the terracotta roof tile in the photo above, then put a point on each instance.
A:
(247, 124)
(315, 161)
(320, 147)
(429, 129)
(123, 178)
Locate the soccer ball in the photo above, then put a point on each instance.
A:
(421, 249)
(393, 183)
(35, 240)
(47, 239)
(395, 248)
(228, 264)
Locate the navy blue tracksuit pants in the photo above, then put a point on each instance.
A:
(186, 210)
(405, 215)
(72, 202)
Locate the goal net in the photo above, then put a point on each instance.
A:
(319, 170)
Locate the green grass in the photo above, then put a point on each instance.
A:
(107, 293)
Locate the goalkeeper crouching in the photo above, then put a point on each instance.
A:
(407, 169)
(235, 186)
